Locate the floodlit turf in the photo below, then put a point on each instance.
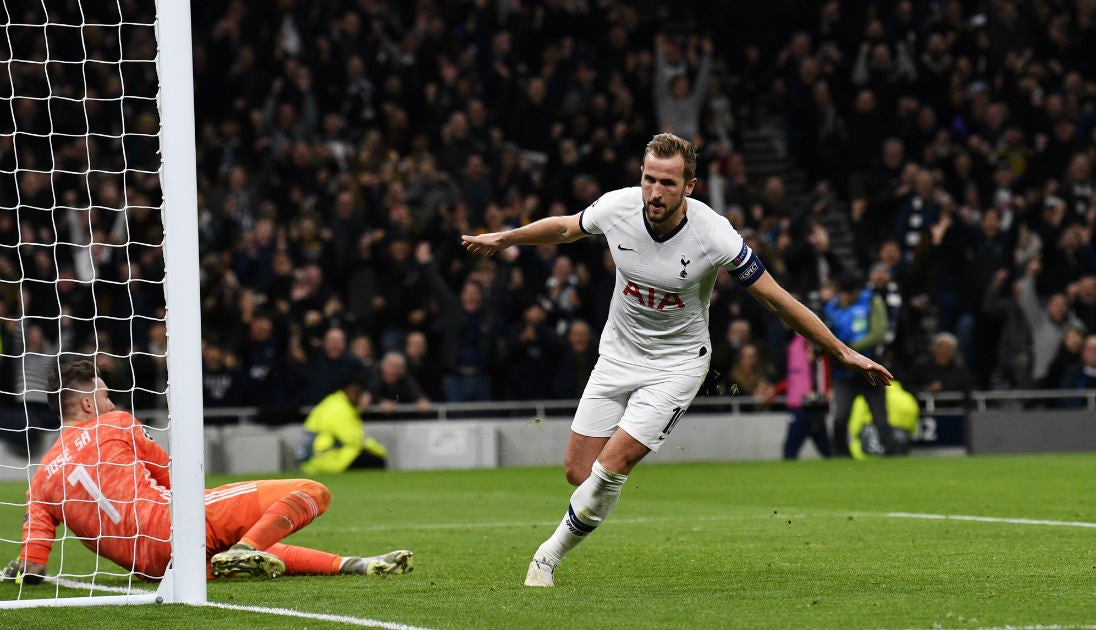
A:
(775, 545)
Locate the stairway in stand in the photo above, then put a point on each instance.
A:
(764, 148)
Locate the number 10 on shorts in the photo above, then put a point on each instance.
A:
(674, 417)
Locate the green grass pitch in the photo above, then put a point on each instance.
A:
(773, 545)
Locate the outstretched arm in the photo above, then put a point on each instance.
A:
(772, 296)
(546, 231)
(39, 532)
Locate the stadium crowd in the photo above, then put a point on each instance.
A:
(344, 147)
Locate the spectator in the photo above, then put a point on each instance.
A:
(532, 354)
(942, 370)
(401, 306)
(1047, 320)
(1013, 346)
(718, 118)
(364, 352)
(941, 277)
(750, 373)
(263, 363)
(328, 365)
(422, 366)
(13, 423)
(468, 332)
(220, 379)
(35, 359)
(731, 190)
(561, 296)
(1079, 184)
(310, 293)
(773, 205)
(881, 284)
(253, 261)
(576, 361)
(358, 108)
(802, 115)
(679, 100)
(738, 333)
(1067, 356)
(345, 227)
(1067, 261)
(991, 251)
(869, 123)
(394, 386)
(811, 263)
(533, 104)
(806, 389)
(364, 298)
(881, 188)
(919, 211)
(1081, 375)
(1082, 293)
(150, 370)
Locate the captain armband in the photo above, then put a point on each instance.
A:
(750, 271)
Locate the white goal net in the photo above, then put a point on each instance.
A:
(96, 195)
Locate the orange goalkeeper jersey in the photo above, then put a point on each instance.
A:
(107, 481)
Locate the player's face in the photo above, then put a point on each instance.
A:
(664, 190)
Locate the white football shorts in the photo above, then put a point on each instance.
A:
(646, 402)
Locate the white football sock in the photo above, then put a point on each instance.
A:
(590, 504)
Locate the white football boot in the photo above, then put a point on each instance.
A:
(541, 573)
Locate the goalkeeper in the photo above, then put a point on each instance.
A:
(107, 482)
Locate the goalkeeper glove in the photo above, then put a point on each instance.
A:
(15, 572)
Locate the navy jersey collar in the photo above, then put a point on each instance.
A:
(668, 235)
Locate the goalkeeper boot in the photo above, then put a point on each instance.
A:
(541, 573)
(245, 559)
(391, 563)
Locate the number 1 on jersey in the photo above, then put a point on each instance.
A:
(81, 477)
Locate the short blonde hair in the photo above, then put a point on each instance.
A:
(667, 145)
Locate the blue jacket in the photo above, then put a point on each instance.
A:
(849, 323)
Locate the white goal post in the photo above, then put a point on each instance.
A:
(184, 321)
(162, 158)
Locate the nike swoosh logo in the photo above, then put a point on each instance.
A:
(625, 249)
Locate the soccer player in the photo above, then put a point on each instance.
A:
(655, 348)
(108, 483)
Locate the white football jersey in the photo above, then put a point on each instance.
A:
(659, 312)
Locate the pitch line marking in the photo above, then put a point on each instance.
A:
(504, 524)
(287, 612)
(74, 584)
(1035, 627)
(990, 519)
(283, 612)
(766, 515)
